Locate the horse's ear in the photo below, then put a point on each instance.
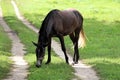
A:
(35, 44)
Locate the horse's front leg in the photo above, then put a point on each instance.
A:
(49, 52)
(63, 48)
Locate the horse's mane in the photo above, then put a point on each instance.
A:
(45, 22)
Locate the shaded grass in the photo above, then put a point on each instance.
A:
(5, 62)
(56, 70)
(5, 42)
(101, 24)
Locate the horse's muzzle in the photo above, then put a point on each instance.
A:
(38, 64)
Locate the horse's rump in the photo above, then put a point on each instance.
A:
(66, 21)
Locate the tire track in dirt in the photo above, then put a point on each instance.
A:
(19, 69)
(82, 71)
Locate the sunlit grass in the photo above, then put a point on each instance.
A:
(103, 10)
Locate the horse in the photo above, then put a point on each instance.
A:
(60, 23)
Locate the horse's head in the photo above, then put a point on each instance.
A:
(40, 53)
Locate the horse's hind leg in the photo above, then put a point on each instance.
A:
(72, 37)
(76, 51)
(63, 48)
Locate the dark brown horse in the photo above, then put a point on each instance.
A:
(59, 24)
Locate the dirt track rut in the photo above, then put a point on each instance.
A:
(19, 69)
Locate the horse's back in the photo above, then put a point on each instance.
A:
(67, 21)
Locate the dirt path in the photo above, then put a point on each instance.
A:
(82, 71)
(19, 70)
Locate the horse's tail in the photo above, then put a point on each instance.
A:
(82, 39)
(82, 36)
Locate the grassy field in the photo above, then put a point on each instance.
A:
(5, 46)
(54, 71)
(101, 24)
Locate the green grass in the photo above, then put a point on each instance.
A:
(56, 70)
(101, 24)
(89, 9)
(5, 42)
(5, 62)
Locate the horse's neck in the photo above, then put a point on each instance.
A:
(46, 26)
(42, 35)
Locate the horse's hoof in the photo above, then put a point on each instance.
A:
(72, 63)
(75, 62)
(38, 66)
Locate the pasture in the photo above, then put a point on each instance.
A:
(101, 24)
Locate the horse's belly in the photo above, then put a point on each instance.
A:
(66, 32)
